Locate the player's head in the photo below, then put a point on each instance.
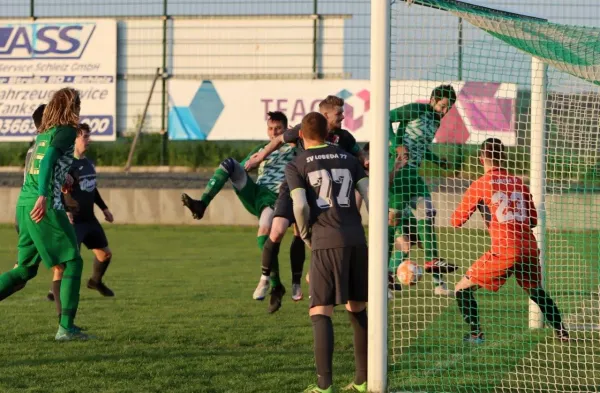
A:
(277, 123)
(332, 108)
(63, 109)
(313, 129)
(37, 116)
(83, 138)
(442, 99)
(492, 153)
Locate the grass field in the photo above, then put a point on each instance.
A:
(184, 321)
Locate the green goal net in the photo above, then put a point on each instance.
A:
(548, 119)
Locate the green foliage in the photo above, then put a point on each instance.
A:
(563, 164)
(147, 153)
(13, 154)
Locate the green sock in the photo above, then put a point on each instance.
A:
(10, 282)
(274, 277)
(215, 184)
(428, 238)
(69, 292)
(261, 240)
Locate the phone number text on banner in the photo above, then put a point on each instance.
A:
(38, 58)
(22, 128)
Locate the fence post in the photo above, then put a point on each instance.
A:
(460, 49)
(316, 74)
(164, 156)
(459, 156)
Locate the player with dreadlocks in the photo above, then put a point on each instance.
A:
(45, 233)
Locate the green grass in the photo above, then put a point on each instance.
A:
(184, 321)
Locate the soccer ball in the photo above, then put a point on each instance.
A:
(409, 273)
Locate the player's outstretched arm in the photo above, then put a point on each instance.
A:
(362, 186)
(467, 206)
(259, 157)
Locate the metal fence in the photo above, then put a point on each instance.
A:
(258, 39)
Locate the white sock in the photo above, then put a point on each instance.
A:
(264, 278)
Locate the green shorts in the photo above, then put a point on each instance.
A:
(52, 240)
(256, 198)
(407, 184)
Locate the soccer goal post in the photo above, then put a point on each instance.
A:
(534, 85)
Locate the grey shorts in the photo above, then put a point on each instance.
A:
(338, 275)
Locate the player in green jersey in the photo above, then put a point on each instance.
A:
(45, 233)
(258, 197)
(410, 200)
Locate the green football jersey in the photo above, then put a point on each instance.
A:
(418, 124)
(271, 172)
(61, 138)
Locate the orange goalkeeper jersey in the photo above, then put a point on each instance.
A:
(506, 205)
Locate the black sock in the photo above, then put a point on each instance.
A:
(323, 338)
(548, 307)
(56, 293)
(270, 257)
(99, 269)
(297, 256)
(468, 307)
(359, 325)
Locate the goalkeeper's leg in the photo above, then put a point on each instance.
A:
(550, 311)
(467, 305)
(528, 274)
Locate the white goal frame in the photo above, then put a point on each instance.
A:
(378, 198)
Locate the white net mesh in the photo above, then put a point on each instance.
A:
(492, 80)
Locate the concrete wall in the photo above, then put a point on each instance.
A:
(163, 206)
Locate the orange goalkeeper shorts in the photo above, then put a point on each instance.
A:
(493, 269)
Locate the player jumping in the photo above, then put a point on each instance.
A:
(45, 233)
(333, 109)
(411, 205)
(322, 180)
(506, 205)
(257, 197)
(84, 194)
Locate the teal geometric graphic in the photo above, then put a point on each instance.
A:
(195, 121)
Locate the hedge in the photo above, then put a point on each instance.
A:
(148, 152)
(563, 165)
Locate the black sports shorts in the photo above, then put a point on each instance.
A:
(338, 275)
(91, 234)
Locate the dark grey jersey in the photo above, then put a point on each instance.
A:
(84, 189)
(329, 176)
